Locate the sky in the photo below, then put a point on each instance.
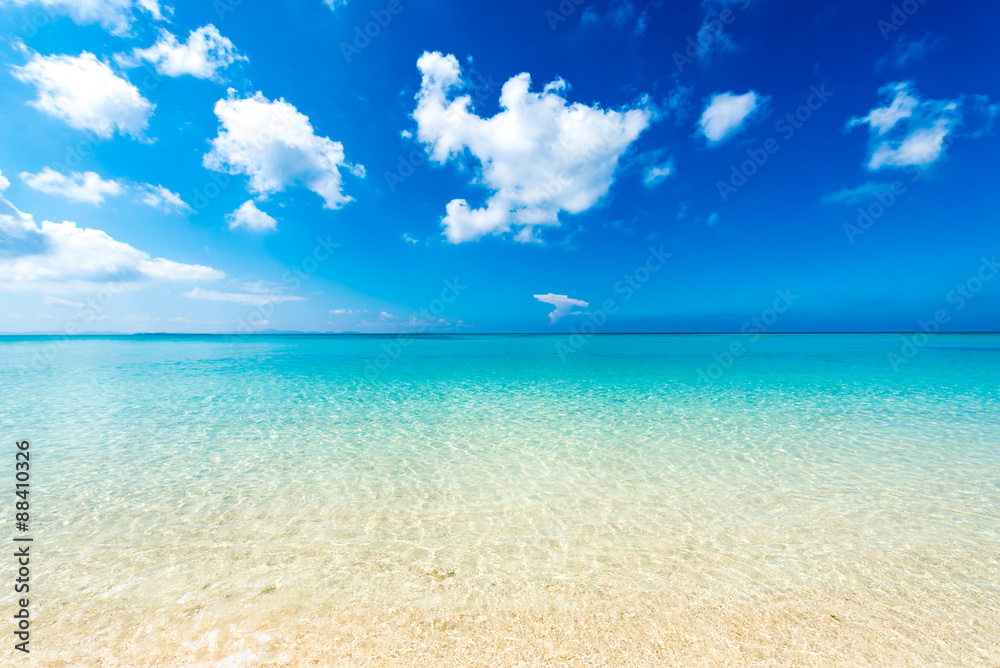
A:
(415, 166)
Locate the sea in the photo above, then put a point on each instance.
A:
(506, 500)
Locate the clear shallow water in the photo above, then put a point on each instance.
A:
(483, 502)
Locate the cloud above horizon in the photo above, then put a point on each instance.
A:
(562, 303)
(86, 94)
(91, 188)
(64, 257)
(908, 131)
(538, 156)
(275, 145)
(245, 298)
(204, 53)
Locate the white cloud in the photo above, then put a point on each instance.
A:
(410, 240)
(346, 311)
(275, 145)
(563, 305)
(86, 187)
(62, 256)
(921, 147)
(656, 173)
(247, 298)
(204, 53)
(252, 218)
(910, 131)
(57, 301)
(4, 183)
(91, 188)
(115, 16)
(148, 318)
(883, 119)
(86, 94)
(538, 156)
(159, 197)
(333, 4)
(863, 193)
(726, 113)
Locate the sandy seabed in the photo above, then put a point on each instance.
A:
(547, 626)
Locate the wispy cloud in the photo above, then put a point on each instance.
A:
(856, 195)
(91, 188)
(909, 130)
(248, 298)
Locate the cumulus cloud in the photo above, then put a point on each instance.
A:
(275, 145)
(538, 156)
(563, 305)
(726, 113)
(204, 53)
(86, 94)
(909, 131)
(252, 218)
(62, 256)
(86, 187)
(4, 183)
(247, 298)
(91, 188)
(115, 16)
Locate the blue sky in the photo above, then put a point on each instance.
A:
(496, 167)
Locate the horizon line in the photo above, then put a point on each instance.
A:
(298, 333)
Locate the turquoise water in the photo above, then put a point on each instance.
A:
(497, 500)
